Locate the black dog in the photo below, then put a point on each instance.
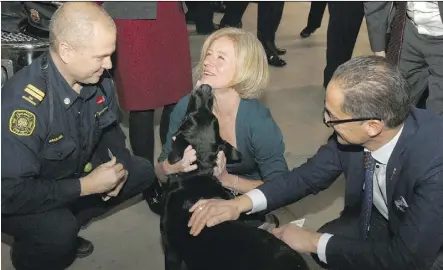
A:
(231, 245)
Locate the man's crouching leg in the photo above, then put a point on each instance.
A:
(43, 241)
(141, 176)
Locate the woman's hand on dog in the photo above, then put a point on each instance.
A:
(220, 170)
(210, 213)
(189, 157)
(186, 163)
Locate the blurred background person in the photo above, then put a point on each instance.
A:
(345, 20)
(152, 70)
(414, 43)
(314, 18)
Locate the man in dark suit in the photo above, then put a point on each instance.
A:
(392, 157)
(415, 44)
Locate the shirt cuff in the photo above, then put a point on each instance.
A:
(258, 199)
(321, 246)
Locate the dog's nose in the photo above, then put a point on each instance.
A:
(206, 87)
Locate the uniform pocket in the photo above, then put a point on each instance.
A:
(106, 119)
(58, 159)
(59, 150)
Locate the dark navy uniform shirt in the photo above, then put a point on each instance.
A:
(43, 158)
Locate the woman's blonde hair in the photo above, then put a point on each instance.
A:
(251, 71)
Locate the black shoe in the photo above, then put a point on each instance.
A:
(275, 61)
(272, 54)
(271, 48)
(223, 24)
(306, 32)
(84, 247)
(154, 197)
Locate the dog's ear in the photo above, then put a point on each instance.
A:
(231, 153)
(178, 148)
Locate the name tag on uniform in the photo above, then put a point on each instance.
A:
(56, 139)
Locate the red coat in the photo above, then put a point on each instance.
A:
(153, 63)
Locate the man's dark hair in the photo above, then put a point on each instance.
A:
(373, 88)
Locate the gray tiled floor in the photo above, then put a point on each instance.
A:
(129, 237)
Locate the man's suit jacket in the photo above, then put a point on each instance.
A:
(131, 10)
(378, 20)
(414, 172)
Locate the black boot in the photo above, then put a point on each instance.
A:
(154, 197)
(84, 247)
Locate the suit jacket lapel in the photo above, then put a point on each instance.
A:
(394, 164)
(356, 178)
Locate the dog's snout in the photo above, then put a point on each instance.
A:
(206, 88)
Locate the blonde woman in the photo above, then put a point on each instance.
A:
(234, 63)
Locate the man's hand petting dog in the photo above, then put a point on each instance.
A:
(210, 213)
(298, 239)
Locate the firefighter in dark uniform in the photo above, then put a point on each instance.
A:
(64, 159)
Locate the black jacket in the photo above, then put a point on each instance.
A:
(50, 134)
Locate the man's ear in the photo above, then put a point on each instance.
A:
(65, 52)
(231, 153)
(374, 127)
(178, 148)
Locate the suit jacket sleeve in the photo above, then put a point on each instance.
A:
(317, 174)
(415, 244)
(377, 17)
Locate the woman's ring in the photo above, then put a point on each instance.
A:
(200, 208)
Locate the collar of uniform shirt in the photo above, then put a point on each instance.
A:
(67, 95)
(383, 154)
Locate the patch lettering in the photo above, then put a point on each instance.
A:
(30, 100)
(56, 139)
(22, 122)
(33, 95)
